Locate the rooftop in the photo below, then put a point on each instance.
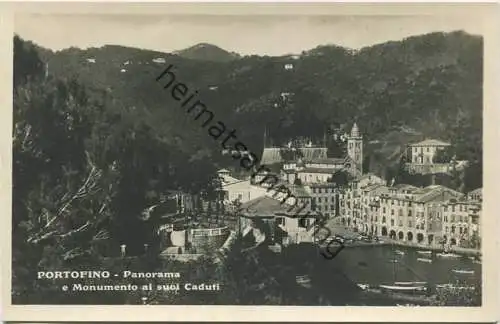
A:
(431, 142)
(327, 161)
(319, 170)
(436, 193)
(267, 207)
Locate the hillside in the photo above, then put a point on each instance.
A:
(431, 84)
(206, 52)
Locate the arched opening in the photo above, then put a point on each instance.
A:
(348, 222)
(383, 220)
(401, 235)
(453, 241)
(384, 231)
(430, 238)
(420, 237)
(392, 234)
(343, 220)
(409, 236)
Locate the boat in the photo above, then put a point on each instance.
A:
(448, 255)
(363, 286)
(451, 286)
(477, 261)
(393, 261)
(419, 288)
(424, 252)
(399, 252)
(424, 260)
(409, 283)
(461, 271)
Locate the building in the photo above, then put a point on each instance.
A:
(355, 148)
(324, 198)
(461, 221)
(240, 190)
(307, 167)
(421, 157)
(283, 223)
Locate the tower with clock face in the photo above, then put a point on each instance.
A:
(355, 148)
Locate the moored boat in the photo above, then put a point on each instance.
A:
(451, 286)
(448, 255)
(462, 271)
(424, 252)
(424, 260)
(403, 288)
(410, 283)
(399, 252)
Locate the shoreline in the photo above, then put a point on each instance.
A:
(455, 250)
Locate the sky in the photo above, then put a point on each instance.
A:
(250, 34)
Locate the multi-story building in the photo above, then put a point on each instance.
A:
(461, 221)
(324, 198)
(350, 198)
(404, 212)
(421, 157)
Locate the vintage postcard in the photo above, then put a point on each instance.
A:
(231, 161)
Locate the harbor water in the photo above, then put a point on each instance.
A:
(376, 265)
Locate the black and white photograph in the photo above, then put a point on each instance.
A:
(247, 160)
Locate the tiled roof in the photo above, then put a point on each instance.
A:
(327, 161)
(431, 142)
(436, 193)
(265, 207)
(318, 170)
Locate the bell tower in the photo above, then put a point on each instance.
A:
(355, 147)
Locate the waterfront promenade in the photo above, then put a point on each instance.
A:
(339, 229)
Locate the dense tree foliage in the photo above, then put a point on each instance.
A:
(85, 166)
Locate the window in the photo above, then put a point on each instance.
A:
(383, 210)
(240, 196)
(392, 222)
(446, 229)
(304, 222)
(332, 207)
(392, 201)
(452, 218)
(445, 208)
(392, 212)
(319, 199)
(453, 208)
(409, 213)
(409, 204)
(430, 227)
(446, 218)
(409, 224)
(333, 199)
(400, 212)
(280, 221)
(427, 149)
(383, 220)
(400, 223)
(453, 229)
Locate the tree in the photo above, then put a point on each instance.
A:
(444, 155)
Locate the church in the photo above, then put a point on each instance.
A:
(309, 164)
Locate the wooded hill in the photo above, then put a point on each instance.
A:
(422, 86)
